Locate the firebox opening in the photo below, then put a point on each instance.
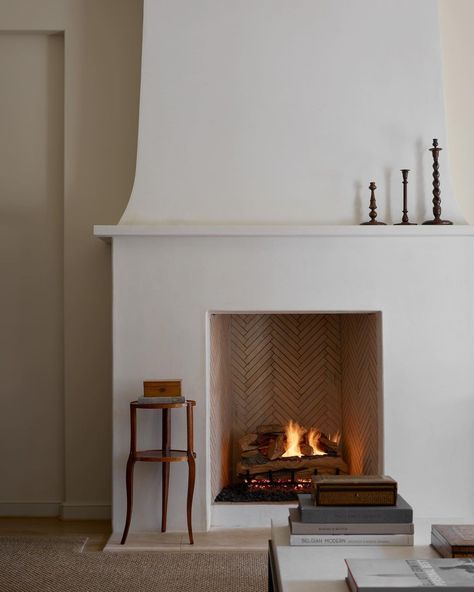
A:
(292, 395)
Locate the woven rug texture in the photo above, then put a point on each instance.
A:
(59, 564)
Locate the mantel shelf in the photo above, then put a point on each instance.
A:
(196, 230)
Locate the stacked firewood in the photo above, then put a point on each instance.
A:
(263, 451)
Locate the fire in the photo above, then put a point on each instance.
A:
(313, 441)
(298, 436)
(294, 433)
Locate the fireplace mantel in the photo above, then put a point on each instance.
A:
(106, 232)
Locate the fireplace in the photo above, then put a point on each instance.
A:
(251, 182)
(420, 279)
(314, 378)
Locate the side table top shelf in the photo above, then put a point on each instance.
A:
(187, 403)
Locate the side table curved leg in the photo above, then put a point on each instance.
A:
(129, 480)
(165, 473)
(189, 507)
(164, 494)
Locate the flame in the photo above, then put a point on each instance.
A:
(294, 436)
(313, 441)
(294, 432)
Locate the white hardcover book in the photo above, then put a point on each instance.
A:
(398, 540)
(404, 575)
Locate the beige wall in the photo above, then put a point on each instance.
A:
(456, 18)
(102, 72)
(31, 243)
(102, 54)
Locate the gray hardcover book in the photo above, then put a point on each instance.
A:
(404, 575)
(401, 512)
(163, 400)
(313, 528)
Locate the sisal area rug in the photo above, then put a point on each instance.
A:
(60, 564)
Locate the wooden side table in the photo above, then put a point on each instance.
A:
(165, 455)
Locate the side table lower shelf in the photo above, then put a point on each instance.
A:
(164, 455)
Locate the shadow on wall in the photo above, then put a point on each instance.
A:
(358, 201)
(387, 209)
(421, 212)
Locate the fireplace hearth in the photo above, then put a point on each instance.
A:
(264, 489)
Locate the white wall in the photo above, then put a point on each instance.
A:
(456, 18)
(424, 285)
(31, 339)
(101, 77)
(283, 112)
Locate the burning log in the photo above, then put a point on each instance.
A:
(248, 442)
(249, 453)
(265, 439)
(323, 464)
(328, 445)
(294, 448)
(276, 447)
(306, 449)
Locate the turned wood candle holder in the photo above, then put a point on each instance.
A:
(435, 150)
(405, 221)
(373, 207)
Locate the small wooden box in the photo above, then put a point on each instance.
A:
(354, 490)
(162, 388)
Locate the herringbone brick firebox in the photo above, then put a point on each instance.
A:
(319, 369)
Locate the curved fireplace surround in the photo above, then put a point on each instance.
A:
(320, 370)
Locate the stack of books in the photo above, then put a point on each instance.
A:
(346, 510)
(453, 540)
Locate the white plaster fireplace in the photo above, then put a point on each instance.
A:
(165, 286)
(261, 125)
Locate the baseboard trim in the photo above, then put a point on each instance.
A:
(66, 511)
(77, 511)
(30, 509)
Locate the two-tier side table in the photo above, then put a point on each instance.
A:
(165, 455)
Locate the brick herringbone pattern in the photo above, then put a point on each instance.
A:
(360, 408)
(318, 369)
(286, 366)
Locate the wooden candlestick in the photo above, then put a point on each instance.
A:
(373, 207)
(435, 150)
(405, 221)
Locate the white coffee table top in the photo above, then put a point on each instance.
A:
(318, 569)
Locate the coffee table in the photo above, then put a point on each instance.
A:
(322, 569)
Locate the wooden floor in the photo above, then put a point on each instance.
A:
(96, 531)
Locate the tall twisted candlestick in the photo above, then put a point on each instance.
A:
(435, 150)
